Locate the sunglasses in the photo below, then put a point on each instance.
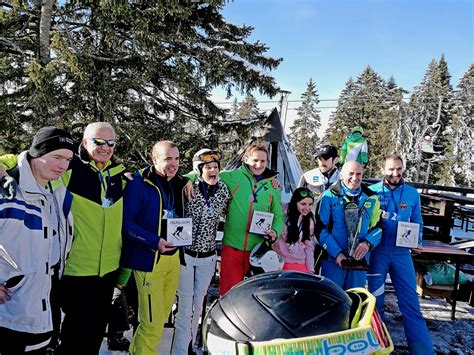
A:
(306, 193)
(210, 156)
(100, 142)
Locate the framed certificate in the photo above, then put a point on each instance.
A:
(261, 222)
(407, 234)
(179, 231)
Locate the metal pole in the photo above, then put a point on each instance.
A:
(284, 101)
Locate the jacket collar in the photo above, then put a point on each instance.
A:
(386, 184)
(267, 173)
(336, 189)
(149, 174)
(27, 182)
(83, 155)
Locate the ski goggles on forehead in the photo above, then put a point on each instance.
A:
(306, 193)
(100, 142)
(210, 156)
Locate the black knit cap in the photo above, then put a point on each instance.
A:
(48, 139)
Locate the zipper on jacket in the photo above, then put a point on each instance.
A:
(249, 220)
(161, 203)
(249, 216)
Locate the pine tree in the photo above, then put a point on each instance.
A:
(441, 168)
(342, 119)
(234, 110)
(143, 66)
(303, 132)
(461, 132)
(248, 109)
(433, 95)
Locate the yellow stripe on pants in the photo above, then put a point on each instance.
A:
(156, 291)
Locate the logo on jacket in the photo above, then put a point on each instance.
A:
(403, 206)
(315, 178)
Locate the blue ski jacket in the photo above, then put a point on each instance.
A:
(399, 204)
(331, 213)
(143, 223)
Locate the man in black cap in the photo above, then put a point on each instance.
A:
(90, 274)
(320, 178)
(35, 237)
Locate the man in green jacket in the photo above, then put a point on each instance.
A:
(90, 275)
(355, 148)
(251, 190)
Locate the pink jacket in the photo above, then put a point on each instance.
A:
(299, 253)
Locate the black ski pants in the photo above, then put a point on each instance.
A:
(86, 304)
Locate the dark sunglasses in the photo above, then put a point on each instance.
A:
(100, 142)
(210, 156)
(306, 193)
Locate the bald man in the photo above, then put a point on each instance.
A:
(155, 196)
(334, 236)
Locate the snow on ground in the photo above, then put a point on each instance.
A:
(449, 337)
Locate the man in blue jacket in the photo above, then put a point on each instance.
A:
(400, 203)
(334, 236)
(154, 196)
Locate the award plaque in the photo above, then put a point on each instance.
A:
(353, 220)
(180, 231)
(261, 222)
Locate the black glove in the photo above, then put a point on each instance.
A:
(8, 187)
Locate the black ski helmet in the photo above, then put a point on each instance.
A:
(279, 304)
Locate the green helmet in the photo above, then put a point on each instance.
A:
(358, 129)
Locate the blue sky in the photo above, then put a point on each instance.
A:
(331, 41)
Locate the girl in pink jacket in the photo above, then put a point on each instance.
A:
(296, 243)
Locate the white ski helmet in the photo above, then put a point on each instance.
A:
(204, 156)
(264, 257)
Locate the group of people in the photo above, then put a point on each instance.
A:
(380, 209)
(77, 215)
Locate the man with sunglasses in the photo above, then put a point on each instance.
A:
(348, 191)
(97, 185)
(400, 203)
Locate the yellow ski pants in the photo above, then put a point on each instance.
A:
(156, 291)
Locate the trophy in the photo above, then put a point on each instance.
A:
(353, 221)
(15, 280)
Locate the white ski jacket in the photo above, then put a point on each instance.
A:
(26, 233)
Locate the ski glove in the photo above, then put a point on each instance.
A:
(8, 187)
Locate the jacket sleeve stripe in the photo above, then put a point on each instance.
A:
(21, 203)
(31, 221)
